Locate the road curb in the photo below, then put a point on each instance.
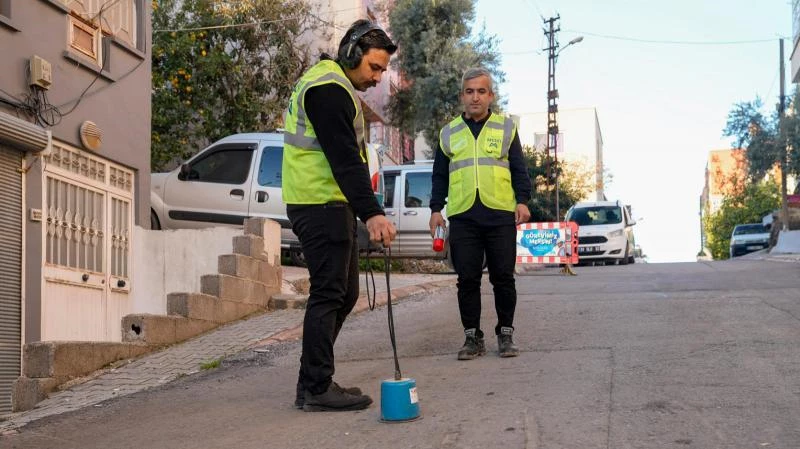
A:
(296, 332)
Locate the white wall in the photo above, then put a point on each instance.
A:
(173, 261)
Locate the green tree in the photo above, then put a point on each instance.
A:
(575, 182)
(746, 205)
(791, 132)
(223, 67)
(765, 136)
(436, 45)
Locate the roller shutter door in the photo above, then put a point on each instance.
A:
(10, 272)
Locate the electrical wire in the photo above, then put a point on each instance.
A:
(388, 268)
(84, 94)
(369, 274)
(769, 92)
(650, 41)
(672, 42)
(372, 300)
(535, 5)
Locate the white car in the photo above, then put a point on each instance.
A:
(747, 238)
(234, 178)
(605, 231)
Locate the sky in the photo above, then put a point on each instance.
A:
(661, 107)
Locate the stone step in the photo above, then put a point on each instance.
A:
(64, 360)
(209, 308)
(26, 392)
(270, 232)
(246, 267)
(230, 288)
(161, 329)
(288, 301)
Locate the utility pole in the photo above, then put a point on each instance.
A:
(552, 104)
(781, 113)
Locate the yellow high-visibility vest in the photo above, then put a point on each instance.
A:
(307, 175)
(480, 163)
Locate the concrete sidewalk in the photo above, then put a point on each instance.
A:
(189, 357)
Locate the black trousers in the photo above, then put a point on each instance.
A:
(327, 234)
(469, 242)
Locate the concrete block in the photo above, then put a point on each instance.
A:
(208, 308)
(288, 301)
(27, 392)
(161, 329)
(187, 328)
(262, 227)
(250, 245)
(242, 266)
(231, 311)
(270, 231)
(69, 359)
(38, 359)
(192, 305)
(229, 288)
(271, 275)
(151, 329)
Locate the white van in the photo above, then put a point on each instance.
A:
(406, 200)
(605, 231)
(234, 178)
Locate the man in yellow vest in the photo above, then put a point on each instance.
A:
(325, 186)
(480, 169)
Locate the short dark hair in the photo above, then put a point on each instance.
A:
(372, 39)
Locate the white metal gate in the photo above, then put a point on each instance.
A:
(87, 250)
(10, 272)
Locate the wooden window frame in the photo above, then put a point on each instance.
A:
(95, 55)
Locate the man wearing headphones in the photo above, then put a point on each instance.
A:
(325, 186)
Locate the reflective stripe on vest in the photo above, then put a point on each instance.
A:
(307, 175)
(479, 164)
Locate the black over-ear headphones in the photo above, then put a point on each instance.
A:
(350, 54)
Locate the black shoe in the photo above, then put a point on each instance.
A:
(335, 399)
(474, 346)
(505, 343)
(300, 396)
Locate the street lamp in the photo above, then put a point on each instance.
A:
(553, 108)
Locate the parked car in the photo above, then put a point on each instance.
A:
(605, 231)
(747, 238)
(234, 178)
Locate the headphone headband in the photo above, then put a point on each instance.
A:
(357, 34)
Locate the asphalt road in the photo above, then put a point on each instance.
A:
(694, 355)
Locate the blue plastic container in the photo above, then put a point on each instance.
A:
(399, 401)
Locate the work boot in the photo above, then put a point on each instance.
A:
(474, 346)
(300, 397)
(505, 343)
(335, 399)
